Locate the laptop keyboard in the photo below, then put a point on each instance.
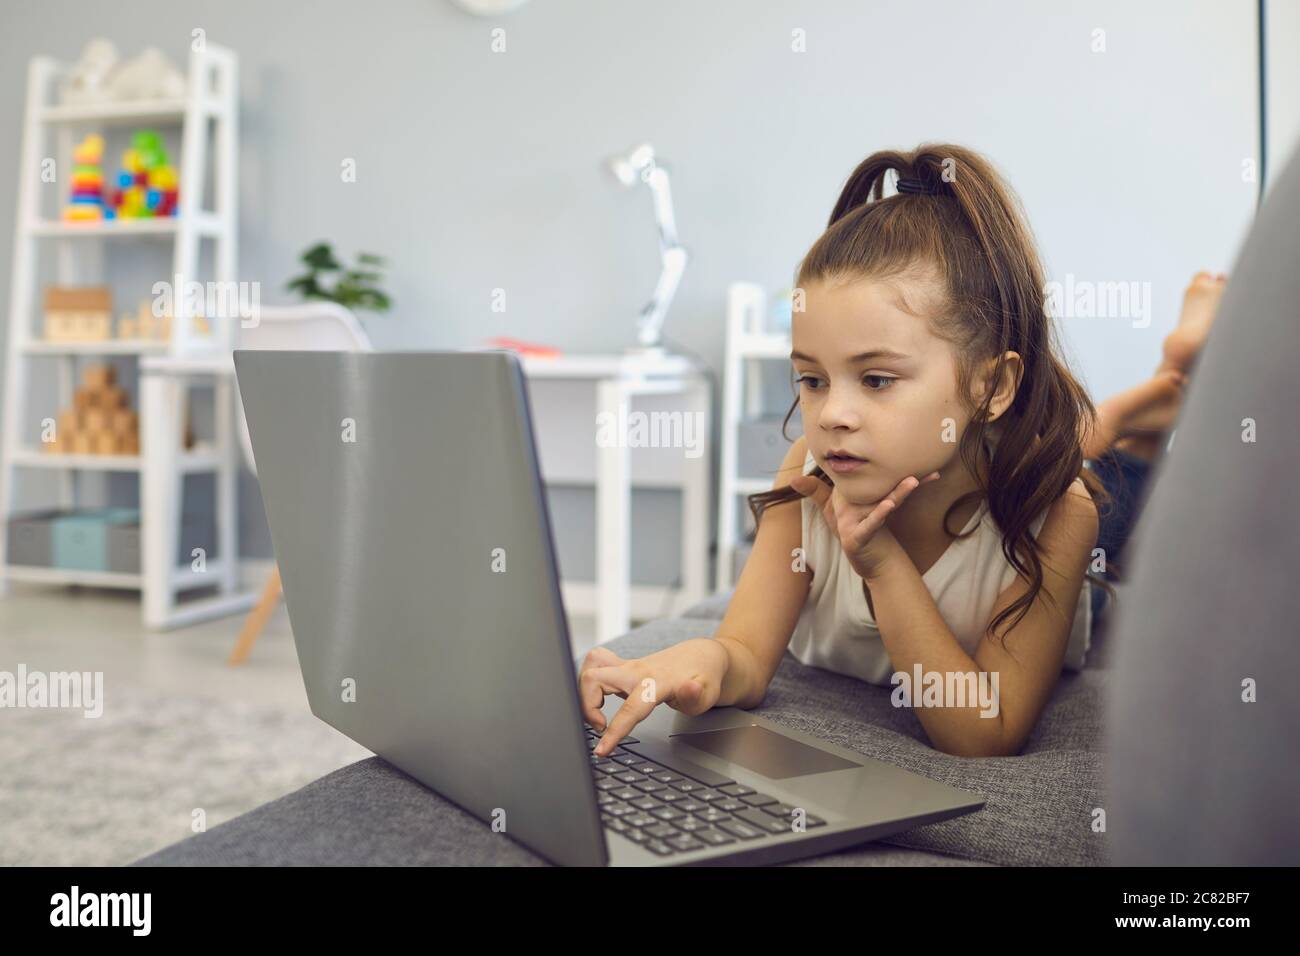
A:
(668, 807)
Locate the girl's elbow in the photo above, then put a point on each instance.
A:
(997, 744)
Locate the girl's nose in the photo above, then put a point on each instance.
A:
(838, 411)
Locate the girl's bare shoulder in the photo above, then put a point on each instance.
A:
(1080, 496)
(1076, 510)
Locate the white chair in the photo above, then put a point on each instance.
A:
(314, 326)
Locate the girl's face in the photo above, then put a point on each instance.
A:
(876, 384)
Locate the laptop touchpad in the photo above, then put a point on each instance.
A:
(763, 751)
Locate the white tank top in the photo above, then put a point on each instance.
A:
(836, 630)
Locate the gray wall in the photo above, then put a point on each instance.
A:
(478, 171)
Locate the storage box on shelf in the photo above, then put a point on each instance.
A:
(30, 543)
(104, 542)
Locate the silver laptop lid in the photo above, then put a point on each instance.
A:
(406, 512)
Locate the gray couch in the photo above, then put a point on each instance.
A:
(1202, 776)
(1039, 808)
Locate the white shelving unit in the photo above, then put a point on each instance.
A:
(747, 344)
(207, 120)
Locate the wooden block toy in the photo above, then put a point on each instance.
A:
(113, 397)
(70, 421)
(78, 314)
(148, 325)
(156, 327)
(99, 421)
(98, 376)
(125, 421)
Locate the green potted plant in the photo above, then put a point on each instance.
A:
(352, 287)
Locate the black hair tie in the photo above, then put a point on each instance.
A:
(916, 187)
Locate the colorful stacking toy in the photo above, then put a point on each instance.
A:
(87, 201)
(147, 184)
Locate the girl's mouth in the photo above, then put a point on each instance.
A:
(842, 464)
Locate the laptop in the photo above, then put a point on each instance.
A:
(415, 551)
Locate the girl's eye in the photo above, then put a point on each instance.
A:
(877, 383)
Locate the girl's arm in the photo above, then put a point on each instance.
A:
(768, 597)
(734, 667)
(1027, 661)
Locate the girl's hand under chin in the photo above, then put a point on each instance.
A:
(860, 529)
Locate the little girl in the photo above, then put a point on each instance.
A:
(937, 515)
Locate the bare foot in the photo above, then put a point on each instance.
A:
(1147, 410)
(1200, 304)
(1136, 420)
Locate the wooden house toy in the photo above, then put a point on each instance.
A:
(78, 314)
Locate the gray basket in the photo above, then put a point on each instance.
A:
(124, 544)
(29, 539)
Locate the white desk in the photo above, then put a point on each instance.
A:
(570, 455)
(566, 434)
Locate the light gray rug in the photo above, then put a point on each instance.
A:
(106, 791)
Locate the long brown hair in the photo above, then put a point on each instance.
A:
(966, 227)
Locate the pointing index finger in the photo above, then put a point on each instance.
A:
(632, 712)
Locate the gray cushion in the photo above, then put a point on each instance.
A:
(1199, 776)
(1038, 811)
(371, 814)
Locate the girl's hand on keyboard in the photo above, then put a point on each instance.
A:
(687, 677)
(860, 529)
